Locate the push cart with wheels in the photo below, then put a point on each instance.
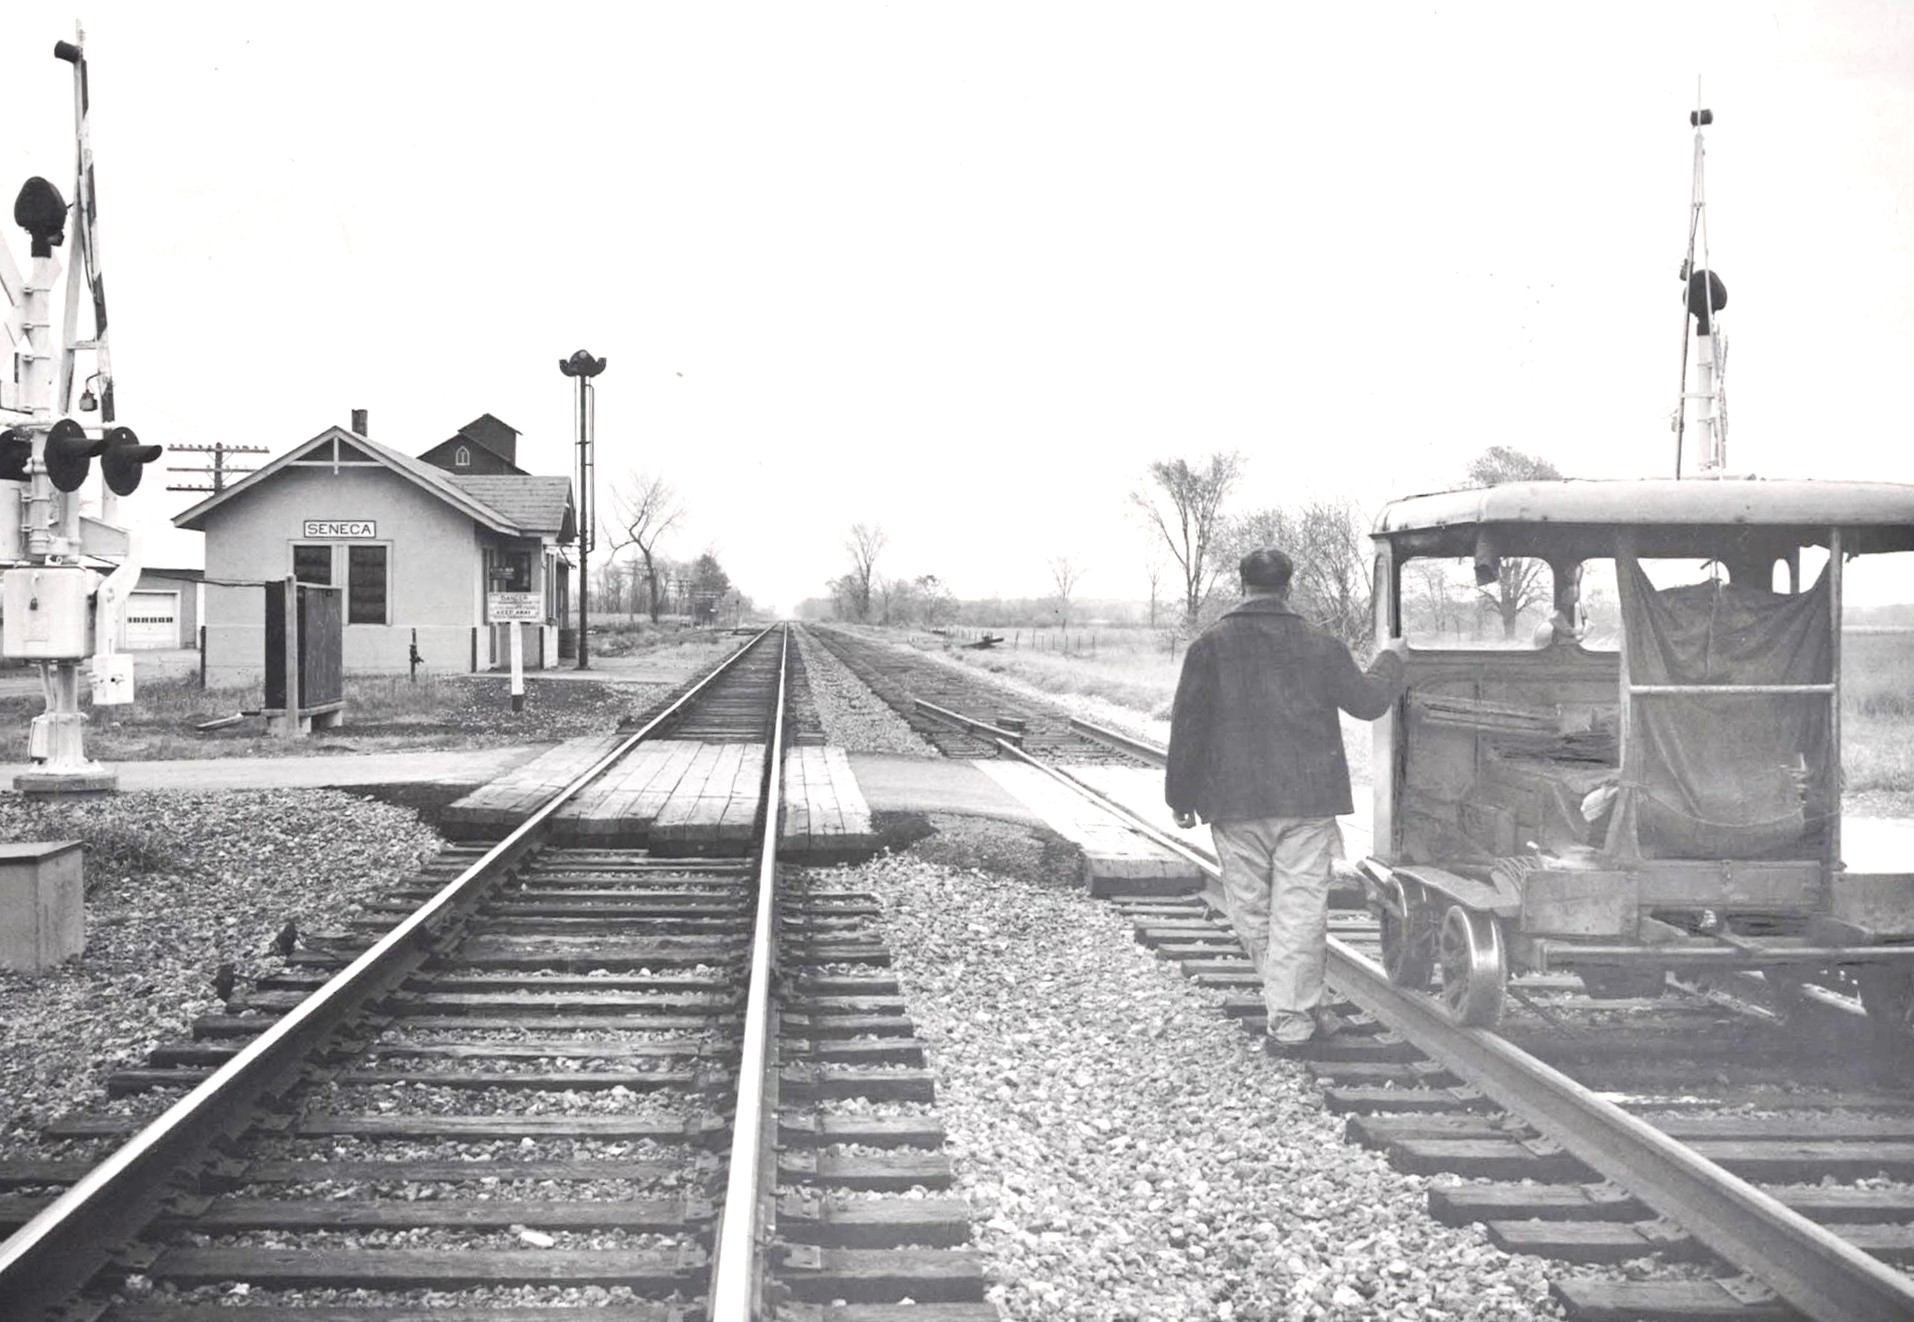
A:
(1619, 751)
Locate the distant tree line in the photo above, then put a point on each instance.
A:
(1193, 542)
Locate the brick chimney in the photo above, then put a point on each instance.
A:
(359, 421)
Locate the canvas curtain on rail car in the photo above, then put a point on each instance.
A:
(1723, 775)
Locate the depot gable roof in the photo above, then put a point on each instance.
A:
(543, 508)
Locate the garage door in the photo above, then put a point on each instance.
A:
(152, 620)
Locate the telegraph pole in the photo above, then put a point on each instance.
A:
(584, 367)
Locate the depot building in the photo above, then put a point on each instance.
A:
(418, 547)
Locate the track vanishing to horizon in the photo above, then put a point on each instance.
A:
(536, 1081)
(903, 679)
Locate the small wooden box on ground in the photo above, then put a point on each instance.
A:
(42, 918)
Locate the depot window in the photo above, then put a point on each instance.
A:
(312, 562)
(367, 584)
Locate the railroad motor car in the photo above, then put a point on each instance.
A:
(1648, 782)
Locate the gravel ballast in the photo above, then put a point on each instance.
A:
(176, 884)
(1126, 1150)
(854, 718)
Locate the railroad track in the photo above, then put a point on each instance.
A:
(1557, 1168)
(552, 1079)
(926, 692)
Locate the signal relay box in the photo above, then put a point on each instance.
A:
(45, 612)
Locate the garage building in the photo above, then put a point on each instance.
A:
(162, 611)
(415, 543)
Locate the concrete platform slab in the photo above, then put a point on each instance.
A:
(893, 783)
(464, 766)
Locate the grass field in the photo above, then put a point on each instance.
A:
(1133, 668)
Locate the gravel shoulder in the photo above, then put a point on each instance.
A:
(1125, 1150)
(177, 883)
(854, 718)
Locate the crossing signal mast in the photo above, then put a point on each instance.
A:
(1704, 398)
(54, 608)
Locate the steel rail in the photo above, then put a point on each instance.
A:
(742, 1229)
(969, 724)
(57, 1252)
(1817, 1272)
(1140, 749)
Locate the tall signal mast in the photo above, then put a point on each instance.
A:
(1704, 296)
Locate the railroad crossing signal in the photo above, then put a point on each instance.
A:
(60, 611)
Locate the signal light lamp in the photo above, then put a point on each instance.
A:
(41, 212)
(68, 450)
(123, 459)
(16, 452)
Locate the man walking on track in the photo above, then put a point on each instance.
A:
(1256, 751)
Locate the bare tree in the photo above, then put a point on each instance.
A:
(1066, 572)
(1185, 505)
(642, 509)
(1432, 597)
(1153, 570)
(1518, 583)
(896, 600)
(1328, 543)
(940, 607)
(865, 543)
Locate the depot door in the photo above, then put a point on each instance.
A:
(152, 620)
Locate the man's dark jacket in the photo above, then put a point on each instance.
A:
(1254, 731)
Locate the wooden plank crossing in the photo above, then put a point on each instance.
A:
(509, 800)
(675, 796)
(714, 805)
(620, 806)
(826, 818)
(1116, 859)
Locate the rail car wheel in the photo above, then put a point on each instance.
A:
(1787, 989)
(1408, 938)
(1474, 966)
(1887, 993)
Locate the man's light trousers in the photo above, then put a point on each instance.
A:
(1276, 880)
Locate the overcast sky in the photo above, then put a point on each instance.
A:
(962, 270)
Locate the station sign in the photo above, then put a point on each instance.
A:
(501, 607)
(341, 528)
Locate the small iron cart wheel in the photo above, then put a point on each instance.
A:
(1787, 989)
(1408, 938)
(1887, 993)
(1474, 968)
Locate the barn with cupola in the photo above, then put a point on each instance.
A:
(415, 543)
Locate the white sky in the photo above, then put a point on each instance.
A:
(963, 270)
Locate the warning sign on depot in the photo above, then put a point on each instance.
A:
(342, 528)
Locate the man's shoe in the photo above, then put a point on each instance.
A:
(1278, 1049)
(1329, 1023)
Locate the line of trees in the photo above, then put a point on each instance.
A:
(1193, 542)
(1183, 508)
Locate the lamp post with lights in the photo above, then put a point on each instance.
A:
(583, 367)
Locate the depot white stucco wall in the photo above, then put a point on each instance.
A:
(433, 566)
